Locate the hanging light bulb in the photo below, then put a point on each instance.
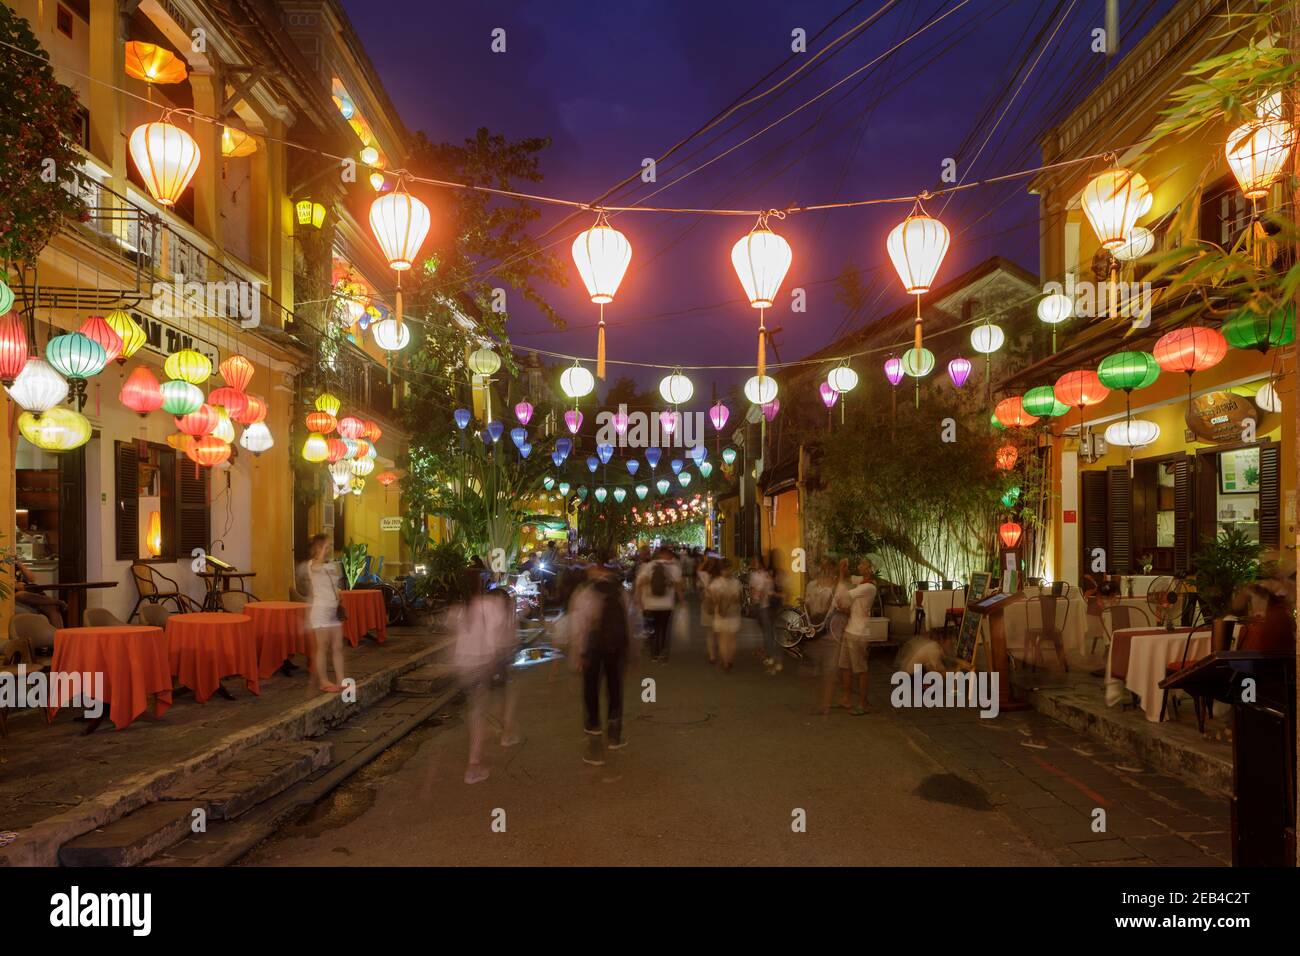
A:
(256, 438)
(166, 157)
(1112, 203)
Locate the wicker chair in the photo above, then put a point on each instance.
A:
(99, 617)
(150, 592)
(155, 615)
(232, 602)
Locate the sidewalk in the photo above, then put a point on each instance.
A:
(56, 784)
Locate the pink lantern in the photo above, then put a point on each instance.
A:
(573, 419)
(771, 408)
(959, 370)
(719, 414)
(894, 370)
(524, 412)
(620, 422)
(668, 422)
(829, 395)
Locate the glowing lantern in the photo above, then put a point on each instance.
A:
(684, 478)
(1011, 413)
(76, 357)
(180, 441)
(187, 365)
(400, 222)
(256, 438)
(153, 64)
(641, 492)
(314, 448)
(362, 467)
(237, 371)
(1128, 370)
(1041, 401)
(601, 494)
(1080, 388)
(141, 392)
(341, 473)
(208, 451)
(564, 489)
(1055, 308)
(573, 420)
(180, 398)
(918, 363)
(718, 414)
(1010, 533)
(771, 409)
(524, 412)
(729, 455)
(386, 478)
(99, 331)
(604, 453)
(129, 331)
(602, 255)
(350, 427)
(1112, 202)
(1132, 433)
(254, 412)
(761, 259)
(706, 468)
(13, 347)
(1189, 350)
(1257, 153)
(201, 421)
(224, 430)
(663, 485)
(390, 336)
(620, 422)
(6, 297)
(153, 537)
(633, 466)
(998, 426)
(894, 370)
(1140, 241)
(987, 338)
(760, 389)
(327, 402)
(652, 456)
(166, 157)
(234, 402)
(461, 417)
(335, 449)
(372, 432)
(829, 395)
(916, 247)
(620, 494)
(842, 379)
(310, 213)
(518, 436)
(959, 370)
(668, 422)
(576, 381)
(236, 143)
(1248, 329)
(1006, 456)
(1010, 496)
(58, 429)
(484, 362)
(322, 422)
(676, 389)
(1267, 398)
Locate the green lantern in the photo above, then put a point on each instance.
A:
(601, 494)
(997, 425)
(662, 485)
(1251, 330)
(729, 455)
(684, 478)
(1042, 403)
(6, 297)
(76, 356)
(582, 492)
(181, 398)
(1128, 370)
(706, 468)
(641, 492)
(564, 489)
(620, 494)
(918, 363)
(548, 482)
(1011, 496)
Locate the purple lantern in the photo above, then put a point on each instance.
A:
(698, 453)
(894, 369)
(771, 408)
(668, 422)
(524, 412)
(959, 370)
(829, 395)
(719, 414)
(573, 419)
(619, 422)
(677, 464)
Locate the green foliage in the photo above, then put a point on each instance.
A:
(353, 562)
(1224, 565)
(445, 572)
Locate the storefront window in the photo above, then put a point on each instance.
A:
(1238, 492)
(161, 503)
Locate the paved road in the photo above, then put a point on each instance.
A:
(715, 772)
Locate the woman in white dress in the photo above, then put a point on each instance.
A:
(317, 581)
(724, 591)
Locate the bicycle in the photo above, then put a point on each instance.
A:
(794, 626)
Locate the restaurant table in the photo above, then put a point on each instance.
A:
(280, 630)
(937, 603)
(366, 612)
(204, 647)
(75, 598)
(133, 660)
(1019, 618)
(1137, 660)
(218, 582)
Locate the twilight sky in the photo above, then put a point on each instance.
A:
(613, 83)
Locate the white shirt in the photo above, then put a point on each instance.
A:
(645, 593)
(863, 597)
(725, 592)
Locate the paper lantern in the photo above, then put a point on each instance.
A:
(225, 430)
(684, 478)
(254, 412)
(350, 427)
(729, 455)
(1267, 398)
(1132, 433)
(372, 432)
(153, 64)
(461, 417)
(13, 347)
(236, 143)
(652, 456)
(327, 402)
(829, 395)
(322, 422)
(237, 371)
(199, 422)
(336, 449)
(362, 467)
(484, 362)
(232, 401)
(314, 448)
(166, 157)
(604, 453)
(75, 356)
(576, 381)
(1011, 413)
(524, 412)
(771, 409)
(999, 427)
(1080, 388)
(761, 259)
(392, 337)
(56, 430)
(633, 466)
(894, 370)
(601, 494)
(676, 389)
(1191, 349)
(256, 438)
(668, 422)
(6, 297)
(620, 494)
(641, 492)
(706, 468)
(1055, 308)
(916, 247)
(208, 451)
(98, 330)
(495, 430)
(1257, 154)
(187, 365)
(1140, 241)
(180, 398)
(620, 422)
(959, 370)
(564, 489)
(141, 392)
(573, 420)
(386, 478)
(357, 485)
(987, 338)
(1112, 203)
(153, 537)
(718, 414)
(341, 473)
(918, 363)
(180, 441)
(360, 448)
(1042, 402)
(760, 389)
(1128, 370)
(842, 379)
(1247, 329)
(1005, 457)
(602, 254)
(1010, 533)
(312, 214)
(1010, 496)
(663, 484)
(400, 222)
(518, 436)
(129, 331)
(563, 446)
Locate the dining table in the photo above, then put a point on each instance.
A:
(936, 605)
(280, 631)
(366, 614)
(1139, 656)
(203, 647)
(120, 666)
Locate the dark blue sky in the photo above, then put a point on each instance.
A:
(613, 82)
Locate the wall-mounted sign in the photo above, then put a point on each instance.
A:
(390, 524)
(1070, 517)
(1217, 417)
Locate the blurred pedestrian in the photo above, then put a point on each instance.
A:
(854, 647)
(317, 580)
(658, 587)
(485, 648)
(599, 625)
(762, 595)
(725, 592)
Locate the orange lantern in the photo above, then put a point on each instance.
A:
(208, 451)
(98, 330)
(386, 478)
(254, 411)
(180, 441)
(372, 431)
(322, 422)
(363, 448)
(236, 371)
(1010, 533)
(1006, 457)
(1080, 388)
(231, 399)
(1011, 413)
(202, 421)
(154, 64)
(335, 449)
(1189, 350)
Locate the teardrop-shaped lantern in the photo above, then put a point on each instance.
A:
(761, 259)
(166, 157)
(917, 246)
(141, 392)
(602, 255)
(400, 222)
(256, 438)
(1257, 153)
(1112, 202)
(237, 371)
(718, 414)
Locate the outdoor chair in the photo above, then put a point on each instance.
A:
(956, 607)
(918, 605)
(232, 602)
(151, 592)
(155, 615)
(1202, 706)
(1118, 617)
(36, 631)
(1054, 610)
(99, 617)
(19, 651)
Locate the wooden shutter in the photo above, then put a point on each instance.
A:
(1182, 513)
(1096, 521)
(126, 494)
(1205, 517)
(72, 515)
(191, 508)
(1119, 491)
(1270, 495)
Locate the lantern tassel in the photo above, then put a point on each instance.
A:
(399, 306)
(600, 345)
(762, 344)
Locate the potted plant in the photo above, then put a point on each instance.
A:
(353, 562)
(1219, 570)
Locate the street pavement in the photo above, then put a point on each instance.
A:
(738, 769)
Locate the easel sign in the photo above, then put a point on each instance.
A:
(968, 637)
(979, 585)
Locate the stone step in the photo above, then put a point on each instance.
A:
(132, 839)
(252, 777)
(425, 681)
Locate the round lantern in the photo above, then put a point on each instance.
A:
(1055, 308)
(224, 430)
(1132, 433)
(201, 421)
(760, 389)
(98, 330)
(208, 451)
(13, 347)
(987, 338)
(918, 363)
(718, 414)
(916, 247)
(187, 365)
(576, 381)
(1005, 457)
(254, 412)
(1128, 370)
(180, 398)
(1010, 533)
(484, 362)
(1250, 330)
(361, 466)
(326, 402)
(1267, 398)
(141, 392)
(75, 356)
(1140, 241)
(1080, 388)
(1191, 349)
(894, 370)
(350, 427)
(236, 371)
(392, 337)
(180, 441)
(58, 429)
(166, 157)
(761, 259)
(322, 422)
(360, 448)
(129, 331)
(602, 255)
(997, 425)
(1112, 202)
(314, 448)
(1042, 402)
(372, 432)
(335, 449)
(1257, 153)
(400, 222)
(256, 438)
(1011, 413)
(959, 370)
(236, 143)
(676, 389)
(842, 379)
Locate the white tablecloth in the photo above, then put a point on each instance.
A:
(1147, 657)
(936, 604)
(1094, 628)
(1019, 617)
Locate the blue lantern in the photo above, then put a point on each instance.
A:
(698, 453)
(496, 430)
(563, 446)
(519, 436)
(677, 464)
(592, 463)
(462, 417)
(633, 466)
(652, 457)
(557, 458)
(606, 452)
(525, 449)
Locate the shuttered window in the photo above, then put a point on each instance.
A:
(126, 493)
(192, 508)
(1095, 522)
(1270, 495)
(1182, 513)
(1119, 559)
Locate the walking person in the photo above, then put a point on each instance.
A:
(708, 571)
(600, 623)
(762, 593)
(658, 587)
(485, 644)
(854, 647)
(317, 580)
(837, 585)
(725, 592)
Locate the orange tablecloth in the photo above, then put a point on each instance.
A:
(132, 658)
(280, 629)
(205, 647)
(366, 612)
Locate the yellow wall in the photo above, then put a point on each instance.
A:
(782, 533)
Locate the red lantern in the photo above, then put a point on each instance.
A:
(254, 412)
(98, 330)
(1010, 533)
(335, 449)
(208, 451)
(236, 371)
(350, 427)
(322, 422)
(1006, 457)
(13, 347)
(141, 392)
(386, 478)
(231, 399)
(1080, 388)
(199, 422)
(1011, 413)
(1193, 349)
(372, 431)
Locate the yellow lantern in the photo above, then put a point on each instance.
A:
(361, 466)
(377, 182)
(187, 365)
(314, 448)
(400, 222)
(153, 64)
(236, 144)
(225, 429)
(59, 429)
(328, 402)
(484, 362)
(128, 330)
(761, 259)
(916, 247)
(309, 213)
(1112, 202)
(1257, 153)
(166, 157)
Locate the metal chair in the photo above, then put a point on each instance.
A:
(1054, 610)
(155, 615)
(956, 606)
(918, 604)
(146, 586)
(1118, 617)
(99, 617)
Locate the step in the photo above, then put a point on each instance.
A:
(252, 777)
(134, 838)
(425, 681)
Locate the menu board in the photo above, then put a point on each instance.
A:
(967, 638)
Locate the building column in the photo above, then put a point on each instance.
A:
(208, 93)
(107, 66)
